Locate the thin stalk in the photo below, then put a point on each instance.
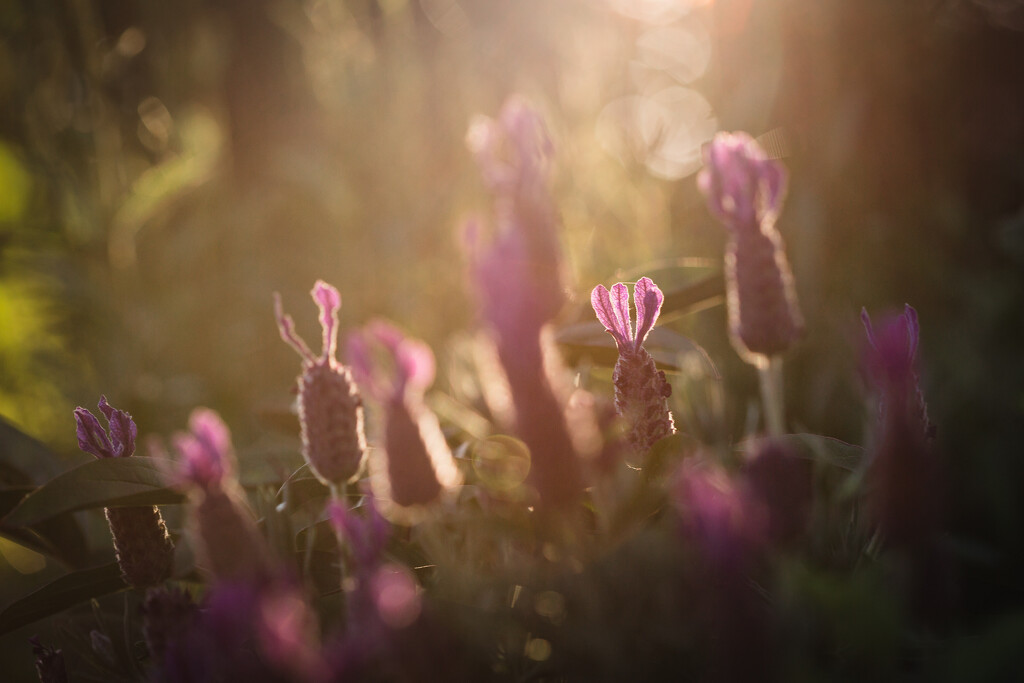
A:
(770, 374)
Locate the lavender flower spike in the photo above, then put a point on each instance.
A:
(227, 541)
(419, 466)
(744, 190)
(330, 409)
(641, 390)
(145, 552)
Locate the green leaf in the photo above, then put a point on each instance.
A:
(109, 482)
(24, 459)
(823, 449)
(668, 348)
(65, 592)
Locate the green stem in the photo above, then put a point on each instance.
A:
(770, 373)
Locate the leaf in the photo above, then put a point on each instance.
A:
(669, 349)
(24, 459)
(61, 594)
(109, 482)
(821, 449)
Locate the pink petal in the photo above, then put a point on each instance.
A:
(648, 299)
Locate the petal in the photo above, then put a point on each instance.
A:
(122, 429)
(329, 301)
(416, 363)
(286, 326)
(647, 299)
(91, 437)
(357, 352)
(865, 320)
(773, 180)
(600, 299)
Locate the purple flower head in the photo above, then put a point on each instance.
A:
(513, 151)
(411, 363)
(206, 457)
(366, 535)
(744, 188)
(891, 355)
(715, 515)
(641, 390)
(612, 309)
(396, 371)
(330, 408)
(778, 488)
(93, 439)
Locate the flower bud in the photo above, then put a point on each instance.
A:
(330, 408)
(144, 549)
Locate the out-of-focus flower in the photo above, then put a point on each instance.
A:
(777, 484)
(364, 535)
(228, 544)
(641, 390)
(145, 551)
(330, 408)
(745, 190)
(517, 280)
(49, 662)
(890, 361)
(715, 515)
(396, 371)
(903, 473)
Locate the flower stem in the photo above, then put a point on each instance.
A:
(770, 373)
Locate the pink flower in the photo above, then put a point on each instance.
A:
(330, 408)
(93, 439)
(641, 390)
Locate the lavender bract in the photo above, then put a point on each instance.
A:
(420, 466)
(744, 190)
(144, 549)
(330, 408)
(641, 390)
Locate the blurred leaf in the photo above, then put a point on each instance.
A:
(59, 537)
(100, 483)
(22, 558)
(23, 459)
(59, 595)
(823, 449)
(667, 347)
(15, 186)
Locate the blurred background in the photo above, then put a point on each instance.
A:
(166, 167)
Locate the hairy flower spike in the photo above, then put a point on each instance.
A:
(227, 541)
(330, 409)
(419, 463)
(641, 390)
(891, 363)
(144, 549)
(744, 190)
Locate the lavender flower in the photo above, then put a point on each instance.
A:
(228, 543)
(144, 549)
(641, 390)
(778, 488)
(891, 363)
(330, 409)
(420, 466)
(745, 190)
(517, 279)
(903, 474)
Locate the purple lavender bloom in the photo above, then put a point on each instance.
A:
(891, 362)
(419, 466)
(518, 282)
(641, 390)
(206, 457)
(745, 190)
(903, 476)
(778, 488)
(330, 408)
(227, 541)
(144, 549)
(93, 439)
